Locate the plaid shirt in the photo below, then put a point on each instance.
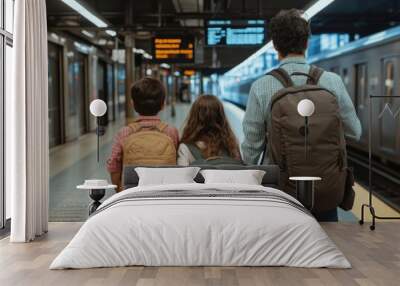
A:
(114, 163)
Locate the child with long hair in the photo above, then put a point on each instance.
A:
(207, 133)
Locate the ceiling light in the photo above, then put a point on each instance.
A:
(82, 47)
(316, 8)
(102, 42)
(88, 34)
(78, 7)
(54, 36)
(147, 56)
(142, 52)
(139, 51)
(112, 33)
(165, 66)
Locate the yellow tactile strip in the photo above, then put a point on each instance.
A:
(381, 208)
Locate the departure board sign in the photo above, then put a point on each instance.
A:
(235, 32)
(173, 49)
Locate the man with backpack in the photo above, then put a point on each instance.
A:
(147, 141)
(272, 123)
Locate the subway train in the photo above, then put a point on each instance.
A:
(368, 66)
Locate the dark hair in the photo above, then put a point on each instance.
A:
(148, 95)
(207, 123)
(289, 32)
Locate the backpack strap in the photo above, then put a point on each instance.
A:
(283, 77)
(135, 126)
(161, 126)
(314, 75)
(195, 152)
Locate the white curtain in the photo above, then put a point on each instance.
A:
(27, 148)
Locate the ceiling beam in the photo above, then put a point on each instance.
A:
(183, 15)
(123, 28)
(128, 14)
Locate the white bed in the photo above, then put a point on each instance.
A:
(144, 226)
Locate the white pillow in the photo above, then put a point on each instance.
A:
(247, 177)
(166, 176)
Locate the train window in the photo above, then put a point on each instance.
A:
(345, 76)
(388, 107)
(361, 86)
(335, 69)
(389, 78)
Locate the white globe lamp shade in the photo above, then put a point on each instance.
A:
(306, 108)
(98, 107)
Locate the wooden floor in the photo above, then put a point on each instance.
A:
(375, 257)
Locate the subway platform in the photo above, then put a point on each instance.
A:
(72, 163)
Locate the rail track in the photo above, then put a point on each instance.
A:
(385, 178)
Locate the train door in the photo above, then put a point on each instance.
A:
(121, 77)
(80, 76)
(55, 95)
(389, 111)
(110, 93)
(102, 88)
(345, 77)
(361, 97)
(76, 101)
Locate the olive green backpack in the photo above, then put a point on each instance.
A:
(224, 159)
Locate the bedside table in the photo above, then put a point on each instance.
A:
(305, 190)
(97, 190)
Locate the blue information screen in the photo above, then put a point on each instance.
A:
(235, 32)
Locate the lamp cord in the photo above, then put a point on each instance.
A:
(305, 137)
(98, 138)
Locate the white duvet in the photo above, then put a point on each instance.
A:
(202, 231)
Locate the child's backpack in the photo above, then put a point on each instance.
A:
(224, 159)
(148, 146)
(326, 141)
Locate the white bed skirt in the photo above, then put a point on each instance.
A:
(200, 232)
